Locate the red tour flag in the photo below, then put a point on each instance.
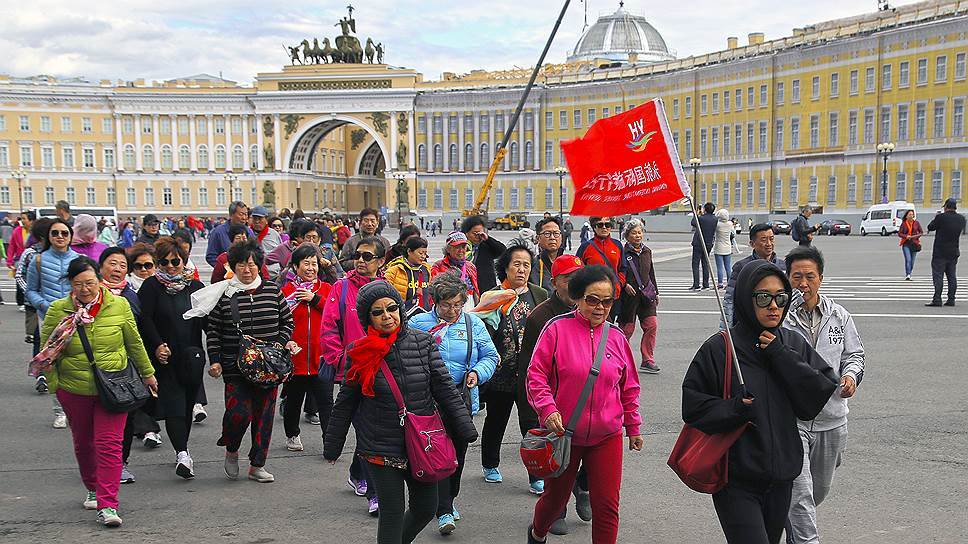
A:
(626, 164)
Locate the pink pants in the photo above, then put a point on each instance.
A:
(97, 444)
(650, 325)
(603, 462)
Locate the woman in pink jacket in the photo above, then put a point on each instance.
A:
(559, 368)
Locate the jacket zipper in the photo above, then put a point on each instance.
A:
(588, 428)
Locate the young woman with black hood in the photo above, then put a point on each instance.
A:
(785, 379)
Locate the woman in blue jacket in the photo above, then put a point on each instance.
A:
(470, 355)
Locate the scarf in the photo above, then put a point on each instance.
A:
(262, 233)
(366, 354)
(497, 302)
(297, 282)
(174, 284)
(205, 299)
(62, 334)
(115, 288)
(135, 282)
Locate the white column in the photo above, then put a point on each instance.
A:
(246, 161)
(157, 141)
(119, 145)
(277, 137)
(477, 141)
(175, 166)
(446, 141)
(394, 139)
(137, 143)
(192, 147)
(460, 141)
(228, 143)
(507, 158)
(429, 135)
(522, 139)
(491, 151)
(538, 146)
(210, 126)
(411, 142)
(260, 158)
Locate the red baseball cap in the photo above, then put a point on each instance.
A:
(566, 264)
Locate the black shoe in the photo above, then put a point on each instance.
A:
(41, 385)
(694, 288)
(950, 303)
(559, 527)
(532, 539)
(29, 339)
(648, 368)
(934, 303)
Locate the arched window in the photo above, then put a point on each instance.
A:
(166, 157)
(129, 157)
(203, 157)
(148, 158)
(220, 156)
(485, 157)
(184, 157)
(254, 157)
(422, 156)
(514, 156)
(469, 157)
(452, 157)
(438, 157)
(238, 157)
(528, 155)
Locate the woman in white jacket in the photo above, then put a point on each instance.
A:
(723, 247)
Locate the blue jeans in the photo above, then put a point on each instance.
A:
(723, 268)
(909, 257)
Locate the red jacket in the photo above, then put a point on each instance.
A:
(468, 274)
(308, 320)
(591, 253)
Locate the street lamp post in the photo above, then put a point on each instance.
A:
(401, 194)
(20, 175)
(561, 191)
(695, 163)
(885, 149)
(232, 180)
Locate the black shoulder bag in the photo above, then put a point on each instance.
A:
(119, 391)
(465, 392)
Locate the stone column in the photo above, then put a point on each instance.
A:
(445, 148)
(260, 143)
(192, 139)
(477, 141)
(157, 141)
(522, 140)
(429, 135)
(507, 158)
(394, 137)
(538, 145)
(491, 151)
(246, 161)
(119, 152)
(228, 143)
(411, 142)
(175, 163)
(277, 142)
(138, 166)
(210, 127)
(460, 141)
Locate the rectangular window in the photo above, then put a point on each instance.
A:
(499, 198)
(203, 197)
(868, 126)
(219, 125)
(738, 193)
(815, 131)
(937, 185)
(726, 101)
(920, 121)
(738, 140)
(726, 146)
(562, 120)
(591, 116)
(833, 127)
(90, 196)
(4, 156)
(549, 197)
(779, 92)
(689, 153)
(486, 123)
(956, 184)
(749, 193)
(725, 193)
(749, 96)
(549, 120)
(109, 159)
(422, 124)
(902, 122)
(763, 96)
(762, 194)
(715, 142)
(885, 123)
(452, 124)
(130, 196)
(886, 77)
(763, 136)
(88, 153)
(778, 136)
(220, 196)
(900, 188)
(851, 189)
(903, 74)
(939, 119)
(832, 190)
(453, 199)
(577, 116)
(852, 128)
(46, 157)
(960, 66)
(703, 105)
(715, 102)
(922, 71)
(3, 123)
(438, 122)
(795, 133)
(815, 88)
(422, 198)
(438, 198)
(812, 196)
(27, 156)
(66, 125)
(919, 186)
(777, 193)
(702, 143)
(236, 125)
(604, 112)
(739, 99)
(49, 196)
(958, 118)
(5, 195)
(528, 198)
(514, 199)
(149, 196)
(869, 80)
(941, 69)
(868, 188)
(749, 139)
(68, 157)
(795, 92)
(107, 126)
(112, 197)
(70, 195)
(675, 108)
(164, 124)
(86, 126)
(688, 106)
(853, 82)
(44, 123)
(186, 197)
(468, 198)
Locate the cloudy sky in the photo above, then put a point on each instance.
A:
(149, 39)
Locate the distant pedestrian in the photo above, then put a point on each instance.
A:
(484, 250)
(800, 230)
(150, 229)
(704, 224)
(85, 237)
(944, 259)
(910, 233)
(723, 247)
(762, 240)
(568, 228)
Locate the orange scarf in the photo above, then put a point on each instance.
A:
(366, 354)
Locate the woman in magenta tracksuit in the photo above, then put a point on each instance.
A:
(559, 367)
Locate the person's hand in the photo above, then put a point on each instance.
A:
(747, 400)
(215, 370)
(152, 384)
(304, 295)
(472, 379)
(847, 387)
(162, 353)
(332, 462)
(325, 262)
(657, 300)
(766, 338)
(293, 347)
(636, 442)
(553, 423)
(629, 289)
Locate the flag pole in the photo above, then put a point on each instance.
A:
(719, 300)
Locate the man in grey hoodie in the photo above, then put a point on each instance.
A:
(830, 330)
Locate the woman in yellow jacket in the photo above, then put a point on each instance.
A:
(111, 330)
(410, 275)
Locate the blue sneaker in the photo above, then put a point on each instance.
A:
(537, 487)
(493, 476)
(445, 524)
(456, 514)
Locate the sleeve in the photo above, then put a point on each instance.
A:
(213, 334)
(330, 340)
(495, 246)
(652, 273)
(730, 292)
(933, 225)
(805, 376)
(344, 409)
(532, 329)
(218, 272)
(703, 405)
(47, 326)
(33, 287)
(392, 275)
(487, 357)
(286, 325)
(215, 245)
(344, 255)
(445, 393)
(629, 389)
(853, 359)
(21, 274)
(540, 395)
(133, 346)
(148, 298)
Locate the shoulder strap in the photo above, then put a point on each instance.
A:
(86, 343)
(599, 250)
(37, 260)
(394, 388)
(728, 374)
(342, 306)
(589, 382)
(634, 267)
(470, 338)
(234, 304)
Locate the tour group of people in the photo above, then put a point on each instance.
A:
(375, 331)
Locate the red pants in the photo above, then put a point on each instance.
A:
(97, 435)
(603, 462)
(650, 325)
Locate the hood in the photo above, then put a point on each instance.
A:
(744, 315)
(85, 229)
(372, 292)
(722, 214)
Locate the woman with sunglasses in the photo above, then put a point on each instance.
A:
(604, 250)
(279, 226)
(559, 368)
(410, 275)
(141, 264)
(785, 380)
(366, 401)
(174, 345)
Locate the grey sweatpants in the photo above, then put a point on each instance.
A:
(823, 452)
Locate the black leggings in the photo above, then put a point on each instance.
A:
(449, 488)
(310, 387)
(753, 515)
(397, 523)
(499, 404)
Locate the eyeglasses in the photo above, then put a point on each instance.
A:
(144, 266)
(450, 307)
(365, 255)
(277, 226)
(551, 234)
(165, 262)
(594, 301)
(603, 225)
(377, 312)
(763, 299)
(60, 233)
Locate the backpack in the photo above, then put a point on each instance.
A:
(795, 231)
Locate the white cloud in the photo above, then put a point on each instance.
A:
(162, 40)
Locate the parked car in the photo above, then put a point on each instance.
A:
(832, 227)
(885, 218)
(780, 226)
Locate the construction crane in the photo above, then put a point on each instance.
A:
(502, 150)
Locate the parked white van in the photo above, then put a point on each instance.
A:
(885, 218)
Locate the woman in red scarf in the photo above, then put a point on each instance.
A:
(910, 233)
(366, 401)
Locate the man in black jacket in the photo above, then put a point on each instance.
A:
(706, 224)
(944, 258)
(484, 251)
(800, 229)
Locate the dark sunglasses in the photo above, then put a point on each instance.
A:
(277, 226)
(377, 312)
(165, 262)
(594, 301)
(144, 266)
(60, 233)
(365, 255)
(603, 225)
(763, 299)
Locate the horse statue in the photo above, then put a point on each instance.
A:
(308, 53)
(370, 51)
(293, 54)
(329, 52)
(318, 52)
(350, 48)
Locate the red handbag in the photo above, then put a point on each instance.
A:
(702, 460)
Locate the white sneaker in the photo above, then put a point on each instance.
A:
(60, 421)
(20, 309)
(90, 503)
(294, 443)
(261, 475)
(109, 517)
(184, 466)
(152, 440)
(198, 413)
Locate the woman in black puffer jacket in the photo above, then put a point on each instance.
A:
(366, 401)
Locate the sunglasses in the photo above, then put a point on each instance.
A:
(377, 312)
(144, 266)
(165, 262)
(60, 233)
(365, 255)
(277, 226)
(603, 225)
(763, 299)
(594, 301)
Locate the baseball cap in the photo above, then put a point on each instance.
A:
(150, 219)
(565, 264)
(260, 211)
(457, 238)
